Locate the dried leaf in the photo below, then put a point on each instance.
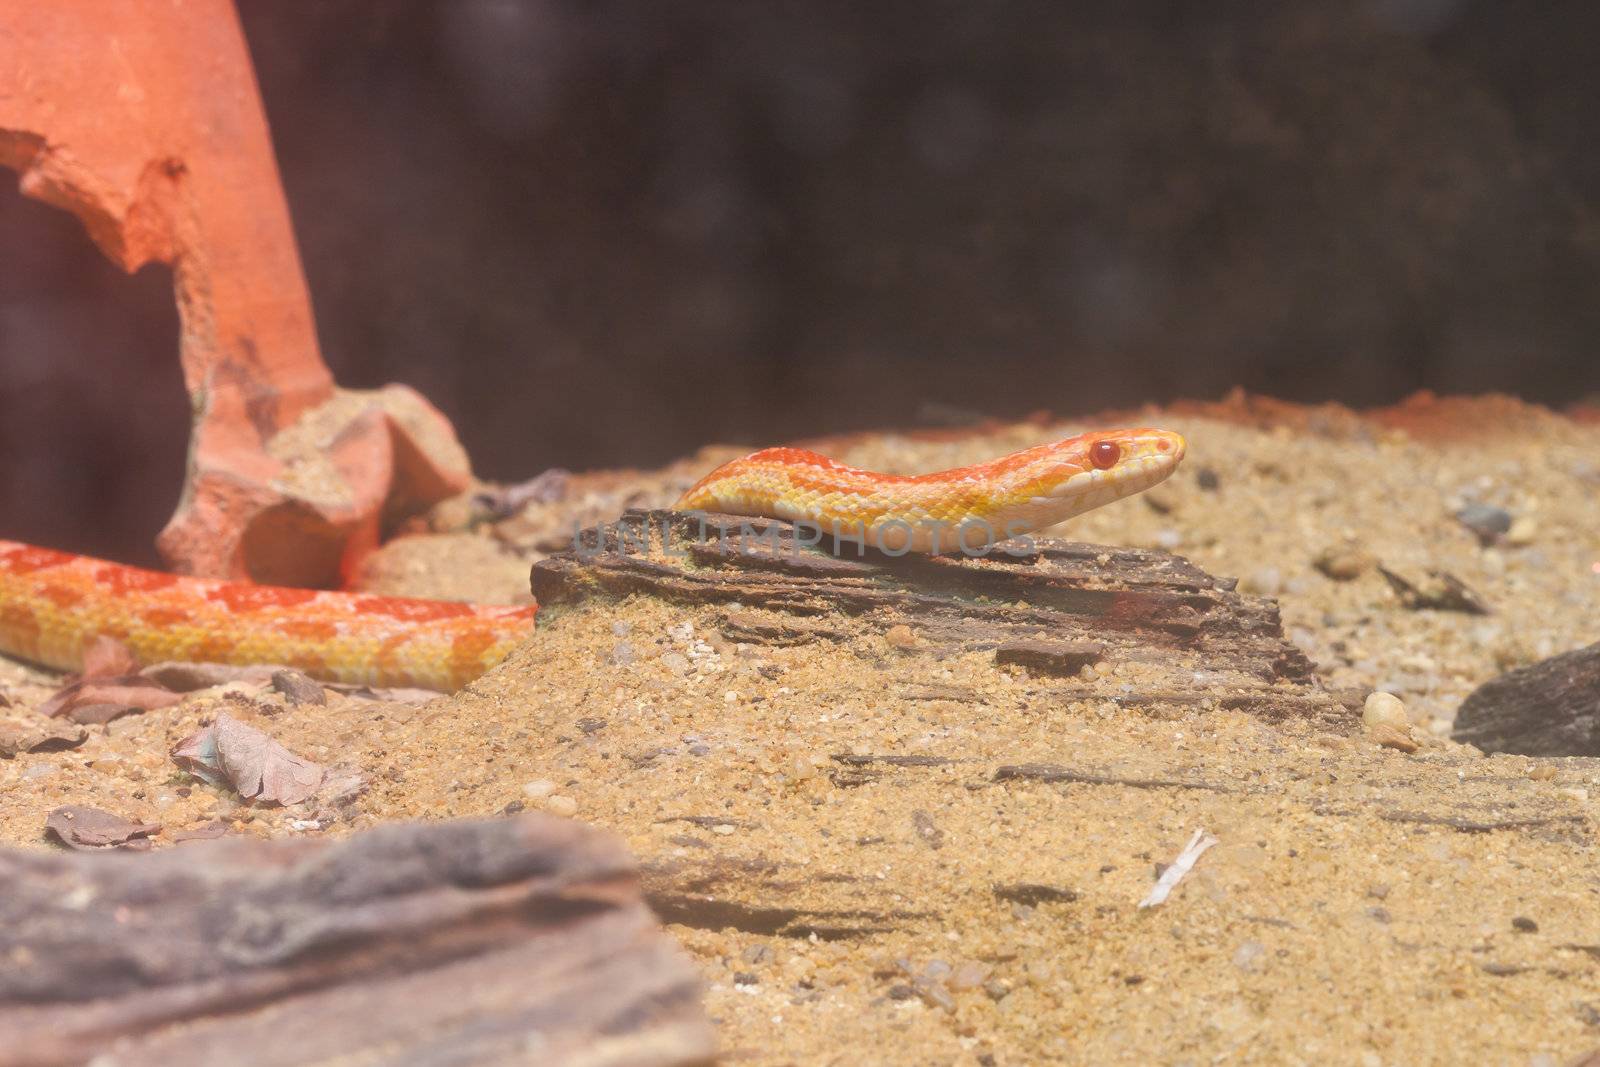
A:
(90, 829)
(504, 501)
(1436, 590)
(188, 677)
(18, 736)
(42, 735)
(106, 657)
(204, 832)
(99, 714)
(131, 690)
(229, 753)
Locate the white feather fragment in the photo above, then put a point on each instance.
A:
(1180, 867)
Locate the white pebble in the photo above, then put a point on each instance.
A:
(560, 805)
(1384, 709)
(538, 788)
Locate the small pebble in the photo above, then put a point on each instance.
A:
(1524, 529)
(1344, 562)
(1542, 772)
(298, 688)
(1207, 479)
(970, 975)
(1168, 539)
(538, 789)
(1384, 708)
(937, 995)
(40, 770)
(621, 628)
(1524, 925)
(675, 662)
(563, 806)
(1486, 522)
(623, 654)
(1378, 891)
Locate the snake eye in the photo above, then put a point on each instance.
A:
(1104, 454)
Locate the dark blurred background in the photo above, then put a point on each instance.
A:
(604, 233)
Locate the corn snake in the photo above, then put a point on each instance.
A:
(52, 604)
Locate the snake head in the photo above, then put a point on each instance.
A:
(1105, 465)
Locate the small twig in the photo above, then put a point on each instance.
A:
(1050, 772)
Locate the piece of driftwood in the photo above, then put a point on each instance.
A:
(1550, 708)
(1050, 657)
(514, 941)
(1050, 608)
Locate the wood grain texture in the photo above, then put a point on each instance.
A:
(511, 941)
(1551, 708)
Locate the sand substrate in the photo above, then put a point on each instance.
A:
(1363, 905)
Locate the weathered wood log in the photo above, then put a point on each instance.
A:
(1049, 608)
(518, 940)
(1550, 708)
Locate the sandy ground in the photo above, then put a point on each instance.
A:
(1340, 919)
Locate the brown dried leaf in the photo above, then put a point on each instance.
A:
(229, 753)
(130, 690)
(504, 501)
(206, 831)
(90, 829)
(43, 735)
(188, 677)
(1437, 590)
(99, 714)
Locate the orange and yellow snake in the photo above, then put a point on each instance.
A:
(53, 604)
